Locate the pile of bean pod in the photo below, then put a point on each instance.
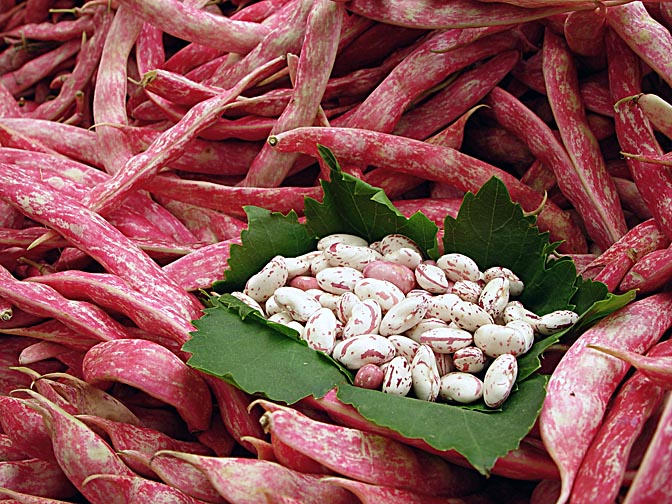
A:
(442, 329)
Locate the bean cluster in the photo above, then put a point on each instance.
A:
(439, 330)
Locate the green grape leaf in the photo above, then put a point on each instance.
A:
(236, 344)
(352, 206)
(268, 234)
(481, 436)
(262, 358)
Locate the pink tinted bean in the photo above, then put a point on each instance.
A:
(584, 380)
(369, 376)
(398, 274)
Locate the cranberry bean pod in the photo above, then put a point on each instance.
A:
(111, 292)
(341, 450)
(649, 273)
(428, 14)
(155, 370)
(232, 477)
(584, 381)
(36, 477)
(562, 86)
(657, 369)
(431, 162)
(199, 25)
(91, 456)
(89, 232)
(524, 463)
(635, 134)
(584, 31)
(447, 104)
(656, 110)
(651, 482)
(639, 29)
(600, 478)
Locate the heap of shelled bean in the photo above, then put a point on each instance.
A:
(133, 133)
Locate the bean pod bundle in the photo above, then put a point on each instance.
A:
(442, 329)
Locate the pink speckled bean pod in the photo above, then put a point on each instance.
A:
(156, 370)
(585, 379)
(342, 450)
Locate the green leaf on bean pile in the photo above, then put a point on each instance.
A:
(265, 359)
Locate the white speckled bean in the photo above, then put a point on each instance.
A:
(344, 305)
(495, 296)
(555, 321)
(262, 285)
(444, 363)
(499, 379)
(460, 387)
(403, 316)
(440, 306)
(348, 239)
(271, 307)
(282, 317)
(425, 374)
(526, 330)
(375, 246)
(398, 379)
(354, 352)
(385, 293)
(393, 242)
(299, 304)
(369, 376)
(248, 301)
(297, 266)
(340, 254)
(405, 256)
(459, 267)
(406, 347)
(297, 326)
(516, 285)
(364, 318)
(469, 316)
(496, 340)
(467, 290)
(398, 274)
(320, 330)
(431, 278)
(469, 360)
(338, 279)
(446, 339)
(425, 324)
(326, 299)
(318, 263)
